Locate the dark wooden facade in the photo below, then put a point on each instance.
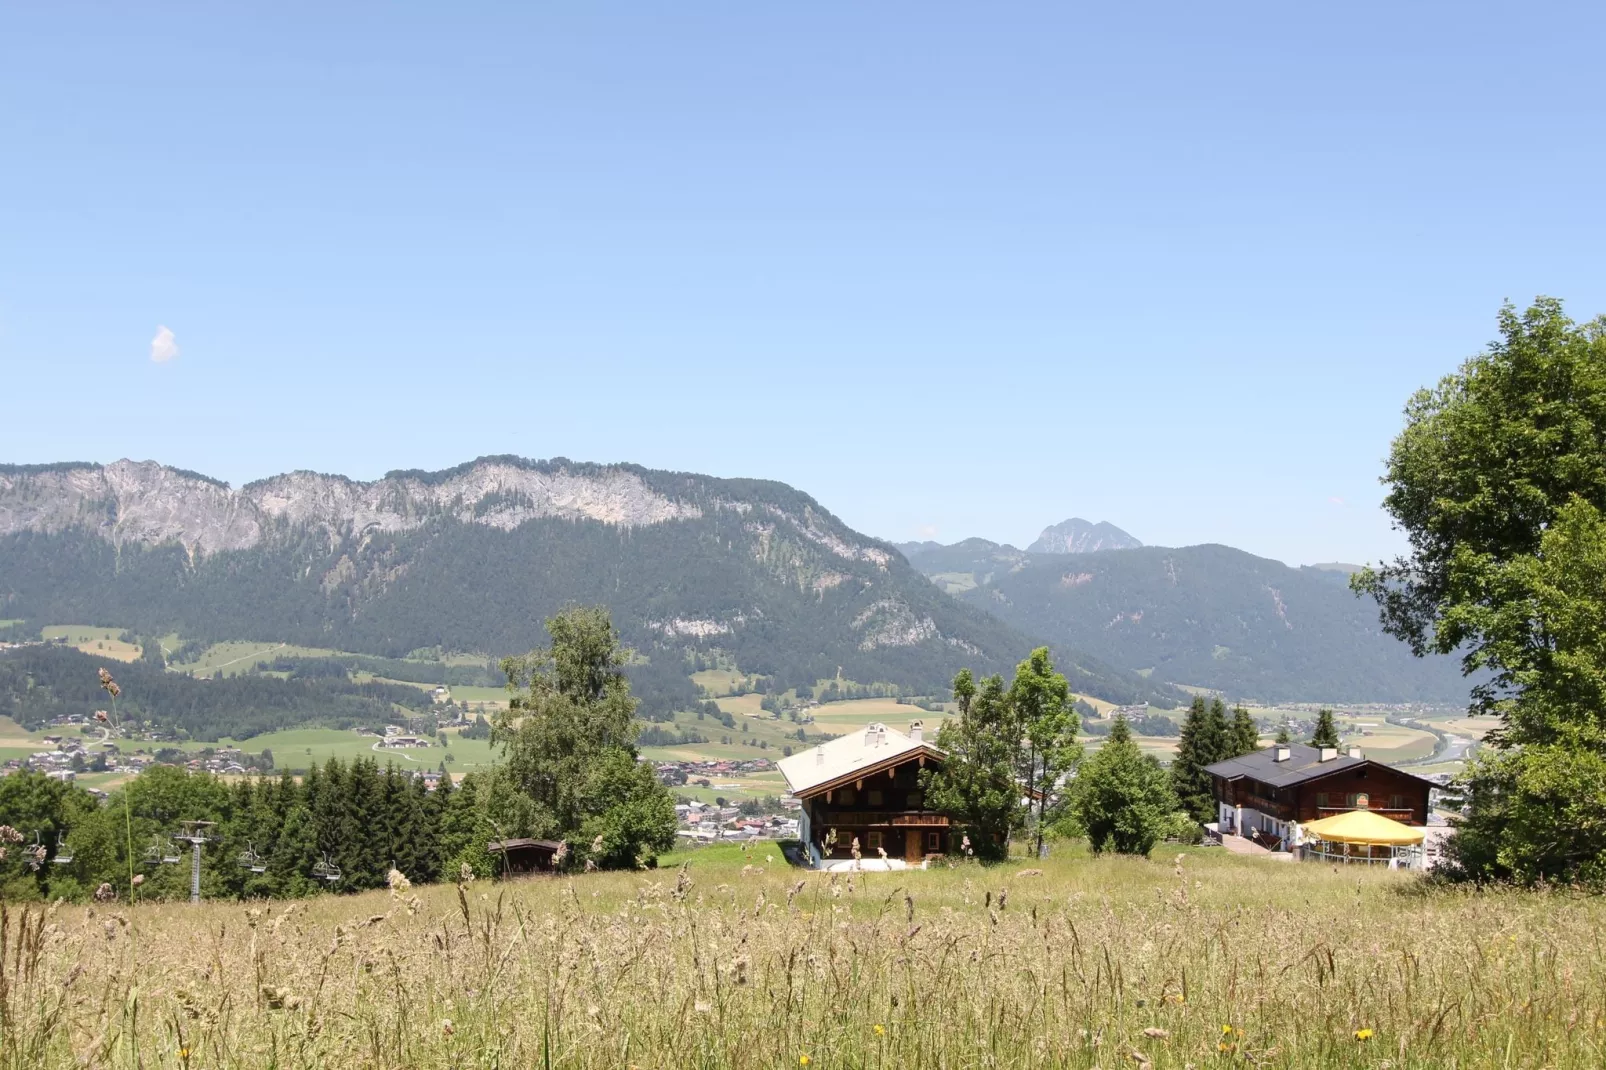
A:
(516, 856)
(883, 808)
(1368, 786)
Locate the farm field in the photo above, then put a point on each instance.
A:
(738, 962)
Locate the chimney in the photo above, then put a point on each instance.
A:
(871, 732)
(1355, 752)
(1282, 754)
(819, 755)
(917, 730)
(1327, 754)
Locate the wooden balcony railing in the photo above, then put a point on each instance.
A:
(900, 818)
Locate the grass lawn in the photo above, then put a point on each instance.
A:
(738, 962)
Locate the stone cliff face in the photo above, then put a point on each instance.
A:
(147, 503)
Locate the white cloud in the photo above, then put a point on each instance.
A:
(164, 347)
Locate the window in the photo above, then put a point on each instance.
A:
(1323, 800)
(916, 801)
(934, 842)
(875, 840)
(1398, 802)
(845, 797)
(873, 797)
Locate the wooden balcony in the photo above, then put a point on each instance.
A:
(1405, 817)
(875, 818)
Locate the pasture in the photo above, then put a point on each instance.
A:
(738, 962)
(101, 642)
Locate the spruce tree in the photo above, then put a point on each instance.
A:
(1245, 734)
(1283, 737)
(1188, 778)
(1326, 731)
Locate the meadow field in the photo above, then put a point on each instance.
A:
(738, 961)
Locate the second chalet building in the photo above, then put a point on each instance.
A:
(865, 786)
(1265, 792)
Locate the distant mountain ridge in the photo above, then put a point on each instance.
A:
(1205, 616)
(1078, 536)
(473, 558)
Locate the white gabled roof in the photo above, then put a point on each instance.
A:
(863, 748)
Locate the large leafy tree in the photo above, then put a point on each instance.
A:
(570, 745)
(1499, 482)
(976, 785)
(1041, 702)
(1122, 798)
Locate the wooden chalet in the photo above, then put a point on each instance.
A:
(1264, 792)
(866, 786)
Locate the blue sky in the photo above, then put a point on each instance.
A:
(954, 270)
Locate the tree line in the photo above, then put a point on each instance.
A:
(570, 773)
(1013, 762)
(39, 684)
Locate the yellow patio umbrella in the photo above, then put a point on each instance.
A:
(1364, 826)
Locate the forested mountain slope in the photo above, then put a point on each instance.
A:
(476, 557)
(1208, 616)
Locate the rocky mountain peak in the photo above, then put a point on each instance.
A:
(1078, 536)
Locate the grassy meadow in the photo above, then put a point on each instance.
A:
(742, 962)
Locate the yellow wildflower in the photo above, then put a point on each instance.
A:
(880, 1030)
(804, 1060)
(1363, 1034)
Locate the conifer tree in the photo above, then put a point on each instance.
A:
(1188, 779)
(1326, 734)
(1244, 733)
(1283, 737)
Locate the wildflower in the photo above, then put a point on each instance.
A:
(1226, 1030)
(183, 1053)
(105, 893)
(139, 879)
(465, 873)
(880, 1030)
(101, 716)
(397, 880)
(1363, 1034)
(803, 1060)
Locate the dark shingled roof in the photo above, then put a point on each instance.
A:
(1303, 763)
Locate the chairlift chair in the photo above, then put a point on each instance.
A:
(153, 854)
(249, 859)
(325, 870)
(63, 852)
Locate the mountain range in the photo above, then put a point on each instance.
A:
(475, 558)
(1203, 616)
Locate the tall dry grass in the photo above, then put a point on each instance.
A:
(745, 963)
